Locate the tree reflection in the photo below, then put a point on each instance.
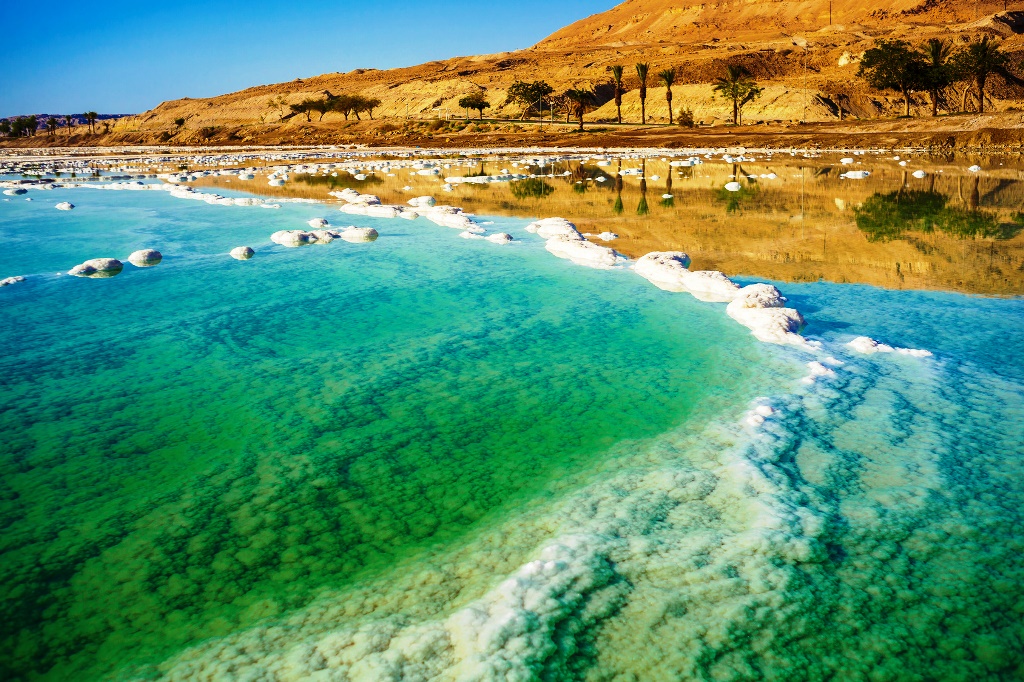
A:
(884, 217)
(531, 188)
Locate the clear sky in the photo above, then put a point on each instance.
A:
(126, 57)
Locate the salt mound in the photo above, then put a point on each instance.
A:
(242, 253)
(64, 206)
(760, 308)
(290, 237)
(422, 201)
(466, 234)
(97, 267)
(500, 238)
(668, 270)
(581, 252)
(317, 222)
(145, 258)
(867, 345)
(7, 281)
(359, 234)
(554, 227)
(733, 186)
(17, 191)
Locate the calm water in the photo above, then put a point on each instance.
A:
(337, 462)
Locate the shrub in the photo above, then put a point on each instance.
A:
(686, 118)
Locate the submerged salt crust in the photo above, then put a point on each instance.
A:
(445, 511)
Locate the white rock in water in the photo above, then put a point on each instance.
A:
(317, 222)
(422, 201)
(97, 267)
(7, 281)
(242, 253)
(974, 169)
(761, 309)
(919, 174)
(359, 234)
(667, 196)
(733, 186)
(867, 345)
(276, 182)
(290, 237)
(466, 234)
(846, 161)
(581, 252)
(607, 236)
(320, 237)
(17, 191)
(64, 206)
(855, 175)
(664, 269)
(145, 258)
(499, 238)
(554, 227)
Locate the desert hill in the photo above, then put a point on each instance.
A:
(806, 65)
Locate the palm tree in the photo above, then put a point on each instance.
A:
(617, 77)
(936, 55)
(67, 122)
(579, 100)
(51, 125)
(641, 72)
(738, 86)
(980, 60)
(90, 118)
(668, 77)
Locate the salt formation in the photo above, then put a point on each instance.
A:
(564, 241)
(761, 309)
(145, 258)
(97, 267)
(855, 175)
(733, 186)
(867, 345)
(359, 234)
(64, 206)
(16, 191)
(317, 222)
(669, 270)
(499, 238)
(242, 253)
(7, 281)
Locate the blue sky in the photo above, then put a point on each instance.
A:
(120, 57)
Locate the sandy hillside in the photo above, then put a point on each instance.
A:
(806, 65)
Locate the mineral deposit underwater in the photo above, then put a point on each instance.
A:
(433, 458)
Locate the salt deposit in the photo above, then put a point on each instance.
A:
(358, 234)
(97, 267)
(761, 308)
(145, 258)
(242, 253)
(64, 206)
(7, 281)
(867, 345)
(733, 186)
(499, 238)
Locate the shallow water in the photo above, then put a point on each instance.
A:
(338, 461)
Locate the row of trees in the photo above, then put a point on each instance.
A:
(26, 126)
(345, 105)
(934, 66)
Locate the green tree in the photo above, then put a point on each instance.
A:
(343, 104)
(738, 87)
(5, 127)
(938, 73)
(368, 104)
(321, 106)
(304, 107)
(641, 73)
(178, 122)
(51, 125)
(894, 65)
(67, 122)
(475, 101)
(91, 117)
(977, 62)
(528, 94)
(31, 125)
(579, 99)
(617, 79)
(668, 77)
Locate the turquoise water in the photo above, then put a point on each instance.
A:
(338, 461)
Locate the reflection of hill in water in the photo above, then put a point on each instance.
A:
(950, 230)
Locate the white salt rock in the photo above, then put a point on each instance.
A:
(145, 258)
(64, 206)
(733, 186)
(500, 238)
(97, 267)
(242, 253)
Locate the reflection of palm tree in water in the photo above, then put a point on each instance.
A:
(617, 207)
(668, 201)
(974, 198)
(642, 208)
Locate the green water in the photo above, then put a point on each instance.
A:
(193, 448)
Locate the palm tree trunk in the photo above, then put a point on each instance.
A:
(906, 101)
(935, 102)
(643, 110)
(668, 96)
(981, 96)
(735, 111)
